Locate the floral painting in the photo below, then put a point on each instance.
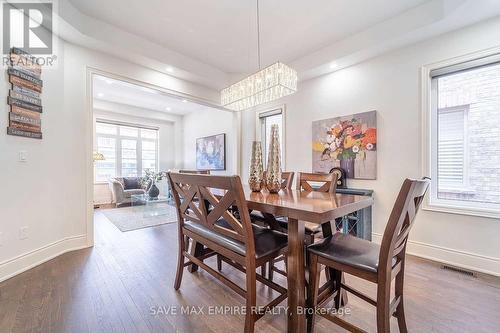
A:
(348, 142)
(211, 152)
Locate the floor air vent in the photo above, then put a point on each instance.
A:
(459, 270)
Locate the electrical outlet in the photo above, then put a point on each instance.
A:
(23, 233)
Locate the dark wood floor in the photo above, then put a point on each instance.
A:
(121, 283)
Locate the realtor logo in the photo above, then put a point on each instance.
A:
(28, 26)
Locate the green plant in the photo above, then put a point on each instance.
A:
(152, 177)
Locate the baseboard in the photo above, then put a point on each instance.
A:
(463, 259)
(23, 262)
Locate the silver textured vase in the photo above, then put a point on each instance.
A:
(273, 172)
(255, 179)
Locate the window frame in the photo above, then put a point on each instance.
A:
(118, 146)
(259, 129)
(429, 131)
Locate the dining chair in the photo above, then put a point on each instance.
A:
(266, 220)
(196, 172)
(196, 249)
(308, 182)
(207, 218)
(286, 183)
(379, 264)
(286, 179)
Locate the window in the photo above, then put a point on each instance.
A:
(464, 125)
(128, 150)
(266, 120)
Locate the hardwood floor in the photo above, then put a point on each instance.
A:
(125, 282)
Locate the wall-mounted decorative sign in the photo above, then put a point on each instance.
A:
(348, 142)
(24, 96)
(211, 152)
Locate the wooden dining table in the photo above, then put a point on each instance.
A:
(301, 207)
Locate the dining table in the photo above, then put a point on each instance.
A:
(301, 207)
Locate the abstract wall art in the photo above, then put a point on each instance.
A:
(348, 142)
(211, 152)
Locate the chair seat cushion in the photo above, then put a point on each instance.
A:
(267, 241)
(129, 193)
(349, 250)
(256, 215)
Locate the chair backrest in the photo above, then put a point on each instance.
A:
(401, 220)
(196, 172)
(286, 179)
(218, 194)
(328, 182)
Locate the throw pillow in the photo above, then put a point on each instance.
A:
(131, 183)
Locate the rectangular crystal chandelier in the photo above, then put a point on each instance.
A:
(268, 84)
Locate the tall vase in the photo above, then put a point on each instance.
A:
(255, 178)
(273, 173)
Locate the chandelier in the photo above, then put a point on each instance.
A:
(268, 84)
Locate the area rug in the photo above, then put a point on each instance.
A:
(138, 217)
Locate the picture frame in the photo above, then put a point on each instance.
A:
(211, 152)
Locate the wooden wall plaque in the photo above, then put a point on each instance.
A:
(24, 97)
(26, 134)
(19, 118)
(25, 84)
(25, 112)
(24, 105)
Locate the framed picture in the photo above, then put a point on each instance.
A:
(211, 152)
(347, 142)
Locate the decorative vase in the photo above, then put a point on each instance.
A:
(273, 172)
(348, 166)
(256, 178)
(153, 192)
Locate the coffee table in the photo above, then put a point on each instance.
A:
(151, 206)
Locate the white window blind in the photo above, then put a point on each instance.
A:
(451, 148)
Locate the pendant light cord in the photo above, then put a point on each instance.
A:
(258, 32)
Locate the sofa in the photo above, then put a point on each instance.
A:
(122, 189)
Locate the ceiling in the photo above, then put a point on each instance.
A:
(223, 33)
(214, 43)
(124, 93)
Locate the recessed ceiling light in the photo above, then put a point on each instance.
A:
(168, 108)
(100, 95)
(170, 69)
(184, 101)
(333, 65)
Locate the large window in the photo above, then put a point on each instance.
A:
(266, 120)
(465, 136)
(128, 150)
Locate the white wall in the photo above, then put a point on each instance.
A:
(49, 193)
(210, 122)
(390, 84)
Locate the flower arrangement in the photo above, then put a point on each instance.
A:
(347, 139)
(152, 177)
